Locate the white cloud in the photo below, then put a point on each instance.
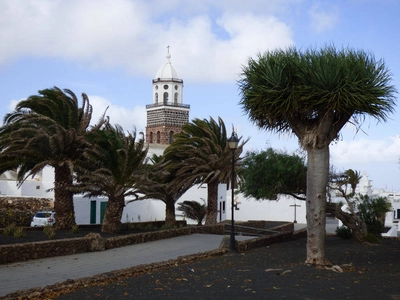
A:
(323, 18)
(364, 151)
(129, 119)
(129, 34)
(13, 103)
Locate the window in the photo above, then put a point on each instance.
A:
(165, 98)
(43, 215)
(176, 98)
(171, 137)
(158, 137)
(151, 137)
(156, 98)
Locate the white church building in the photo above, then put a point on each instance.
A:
(165, 117)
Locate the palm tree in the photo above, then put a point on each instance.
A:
(353, 178)
(200, 154)
(193, 210)
(158, 183)
(313, 94)
(48, 129)
(111, 168)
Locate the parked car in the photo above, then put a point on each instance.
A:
(42, 218)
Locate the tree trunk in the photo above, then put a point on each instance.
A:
(351, 221)
(113, 215)
(63, 198)
(170, 213)
(317, 180)
(212, 203)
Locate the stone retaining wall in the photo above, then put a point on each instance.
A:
(260, 227)
(243, 246)
(20, 210)
(92, 242)
(23, 252)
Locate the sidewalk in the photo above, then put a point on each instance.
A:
(43, 272)
(48, 271)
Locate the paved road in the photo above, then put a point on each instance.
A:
(48, 271)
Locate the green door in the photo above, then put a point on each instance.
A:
(103, 206)
(93, 207)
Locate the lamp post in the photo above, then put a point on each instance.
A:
(233, 142)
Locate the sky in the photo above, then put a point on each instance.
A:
(112, 49)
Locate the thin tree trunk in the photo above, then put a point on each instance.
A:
(170, 213)
(212, 203)
(113, 215)
(317, 180)
(63, 199)
(351, 221)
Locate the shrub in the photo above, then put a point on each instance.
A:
(193, 210)
(375, 227)
(128, 225)
(9, 230)
(344, 232)
(49, 231)
(19, 232)
(149, 227)
(168, 226)
(372, 238)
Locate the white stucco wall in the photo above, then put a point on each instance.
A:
(9, 187)
(270, 210)
(144, 210)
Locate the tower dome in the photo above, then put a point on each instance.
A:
(167, 71)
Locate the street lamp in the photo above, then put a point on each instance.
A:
(233, 142)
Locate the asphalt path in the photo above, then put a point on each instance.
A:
(43, 272)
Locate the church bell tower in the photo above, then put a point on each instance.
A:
(167, 114)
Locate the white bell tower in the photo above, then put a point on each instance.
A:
(167, 114)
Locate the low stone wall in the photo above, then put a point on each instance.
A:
(153, 224)
(270, 225)
(92, 242)
(284, 231)
(20, 210)
(243, 246)
(23, 203)
(22, 252)
(260, 227)
(22, 218)
(138, 238)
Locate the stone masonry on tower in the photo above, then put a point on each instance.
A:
(167, 114)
